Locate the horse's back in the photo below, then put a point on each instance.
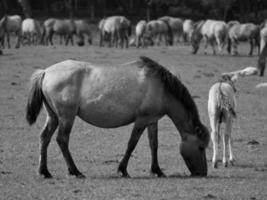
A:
(210, 27)
(64, 26)
(103, 96)
(140, 27)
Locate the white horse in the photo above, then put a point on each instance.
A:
(212, 31)
(263, 51)
(31, 31)
(10, 24)
(140, 31)
(188, 28)
(221, 108)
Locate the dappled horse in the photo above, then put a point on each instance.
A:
(176, 25)
(221, 108)
(243, 32)
(83, 29)
(65, 28)
(115, 29)
(212, 31)
(158, 29)
(188, 28)
(263, 51)
(10, 24)
(139, 92)
(31, 31)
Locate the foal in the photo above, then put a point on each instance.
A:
(221, 108)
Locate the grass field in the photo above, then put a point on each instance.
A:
(98, 151)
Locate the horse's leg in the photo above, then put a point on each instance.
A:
(153, 142)
(229, 141)
(45, 137)
(205, 44)
(215, 131)
(235, 43)
(8, 40)
(64, 130)
(135, 136)
(251, 47)
(71, 39)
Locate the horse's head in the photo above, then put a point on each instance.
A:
(193, 151)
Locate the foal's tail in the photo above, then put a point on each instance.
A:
(35, 99)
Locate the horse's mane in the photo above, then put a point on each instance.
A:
(174, 86)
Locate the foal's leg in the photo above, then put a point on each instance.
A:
(229, 130)
(215, 131)
(135, 136)
(64, 130)
(8, 39)
(153, 142)
(45, 137)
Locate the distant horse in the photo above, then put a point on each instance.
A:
(213, 32)
(82, 29)
(140, 31)
(263, 51)
(10, 24)
(115, 29)
(65, 28)
(158, 29)
(221, 108)
(176, 25)
(139, 92)
(188, 28)
(31, 31)
(243, 32)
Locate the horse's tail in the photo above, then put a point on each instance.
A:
(36, 97)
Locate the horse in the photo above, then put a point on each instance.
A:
(212, 31)
(115, 29)
(263, 51)
(82, 29)
(10, 24)
(65, 28)
(31, 31)
(158, 29)
(139, 92)
(188, 28)
(243, 32)
(176, 25)
(221, 108)
(140, 31)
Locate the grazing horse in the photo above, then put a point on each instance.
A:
(115, 29)
(10, 24)
(140, 31)
(65, 28)
(221, 108)
(158, 29)
(139, 92)
(82, 29)
(176, 25)
(188, 28)
(31, 31)
(243, 32)
(212, 31)
(263, 51)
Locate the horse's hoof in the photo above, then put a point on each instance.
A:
(158, 174)
(225, 164)
(123, 173)
(215, 164)
(232, 162)
(76, 174)
(45, 174)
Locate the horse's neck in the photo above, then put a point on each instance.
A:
(181, 118)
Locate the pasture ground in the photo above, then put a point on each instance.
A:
(98, 151)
